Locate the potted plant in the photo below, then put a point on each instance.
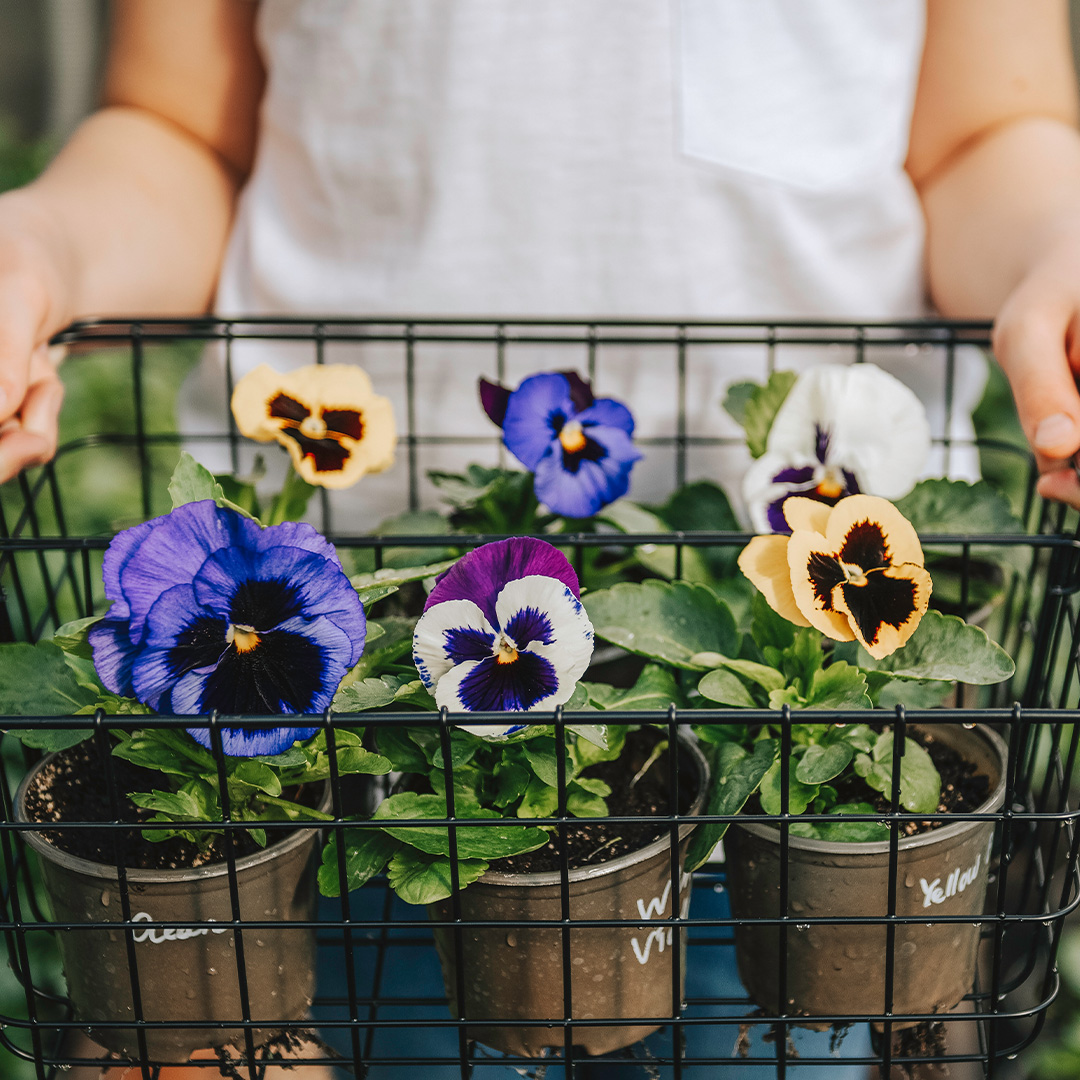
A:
(211, 613)
(503, 631)
(841, 621)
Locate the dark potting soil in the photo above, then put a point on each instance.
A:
(72, 787)
(593, 842)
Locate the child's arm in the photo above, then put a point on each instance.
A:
(995, 156)
(133, 215)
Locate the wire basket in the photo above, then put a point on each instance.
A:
(380, 1007)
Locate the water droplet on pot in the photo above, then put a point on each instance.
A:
(909, 881)
(802, 926)
(211, 971)
(908, 948)
(259, 942)
(511, 939)
(851, 952)
(970, 727)
(718, 888)
(105, 898)
(191, 995)
(797, 906)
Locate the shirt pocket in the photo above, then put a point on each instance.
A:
(813, 93)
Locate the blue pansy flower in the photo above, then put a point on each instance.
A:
(504, 630)
(210, 611)
(579, 448)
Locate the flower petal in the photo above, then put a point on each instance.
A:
(806, 514)
(114, 653)
(449, 633)
(764, 561)
(607, 412)
(815, 572)
(884, 612)
(544, 616)
(579, 484)
(481, 574)
(892, 531)
(528, 682)
(535, 413)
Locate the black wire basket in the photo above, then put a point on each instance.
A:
(380, 1006)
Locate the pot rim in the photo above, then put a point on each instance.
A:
(632, 858)
(136, 875)
(881, 847)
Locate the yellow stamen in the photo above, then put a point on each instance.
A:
(855, 574)
(243, 638)
(572, 437)
(505, 653)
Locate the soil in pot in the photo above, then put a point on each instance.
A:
(836, 969)
(180, 973)
(619, 973)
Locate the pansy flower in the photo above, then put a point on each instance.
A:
(579, 448)
(853, 571)
(842, 430)
(210, 611)
(334, 426)
(504, 629)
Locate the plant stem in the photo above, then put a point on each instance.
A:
(305, 811)
(658, 749)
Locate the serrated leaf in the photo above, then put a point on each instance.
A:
(655, 689)
(947, 649)
(839, 686)
(423, 879)
(761, 407)
(962, 509)
(363, 695)
(397, 576)
(367, 851)
(888, 690)
(669, 622)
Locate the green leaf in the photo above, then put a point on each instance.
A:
(511, 782)
(839, 686)
(920, 782)
(363, 695)
(584, 803)
(177, 804)
(36, 680)
(628, 517)
(736, 775)
(414, 692)
(819, 764)
(423, 879)
(540, 754)
(846, 832)
(393, 640)
(397, 744)
(399, 575)
(764, 676)
(367, 851)
(669, 622)
(962, 509)
(800, 795)
(191, 482)
(703, 506)
(768, 628)
(655, 689)
(759, 409)
(258, 775)
(241, 493)
(73, 637)
(539, 800)
(726, 688)
(370, 595)
(736, 399)
(888, 690)
(946, 648)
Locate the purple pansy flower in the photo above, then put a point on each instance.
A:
(210, 611)
(579, 448)
(504, 629)
(842, 430)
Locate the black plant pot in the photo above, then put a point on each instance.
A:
(184, 975)
(617, 973)
(839, 969)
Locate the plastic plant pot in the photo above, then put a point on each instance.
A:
(840, 969)
(617, 973)
(185, 975)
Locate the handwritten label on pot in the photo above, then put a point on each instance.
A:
(159, 935)
(934, 892)
(659, 936)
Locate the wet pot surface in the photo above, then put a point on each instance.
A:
(176, 973)
(837, 969)
(621, 973)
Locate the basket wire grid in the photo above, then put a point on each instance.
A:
(380, 1008)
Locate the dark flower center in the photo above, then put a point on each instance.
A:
(319, 438)
(500, 684)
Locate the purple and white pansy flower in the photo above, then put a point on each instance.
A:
(842, 430)
(504, 630)
(579, 448)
